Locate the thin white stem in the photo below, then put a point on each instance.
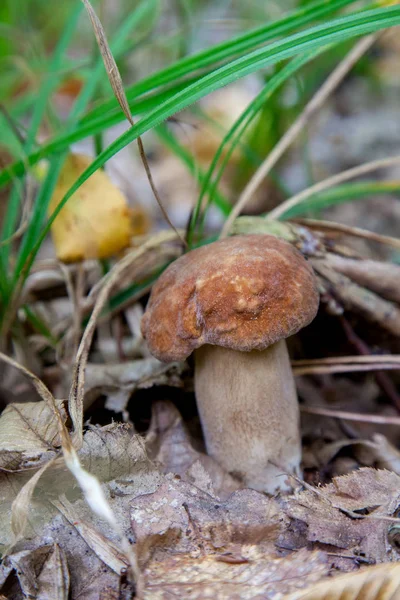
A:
(310, 109)
(283, 208)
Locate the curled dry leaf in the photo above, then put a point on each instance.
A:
(354, 297)
(351, 513)
(381, 582)
(28, 435)
(41, 573)
(119, 381)
(379, 452)
(96, 221)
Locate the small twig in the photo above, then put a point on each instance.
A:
(354, 297)
(291, 134)
(349, 416)
(329, 226)
(371, 359)
(330, 182)
(311, 369)
(381, 378)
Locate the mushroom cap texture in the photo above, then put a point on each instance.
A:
(245, 293)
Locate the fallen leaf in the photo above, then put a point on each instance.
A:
(53, 580)
(19, 572)
(254, 576)
(28, 435)
(349, 514)
(96, 221)
(113, 454)
(119, 381)
(181, 518)
(169, 444)
(381, 582)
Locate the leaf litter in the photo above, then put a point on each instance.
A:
(156, 517)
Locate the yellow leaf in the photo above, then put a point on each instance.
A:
(96, 220)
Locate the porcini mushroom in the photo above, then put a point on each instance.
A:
(233, 303)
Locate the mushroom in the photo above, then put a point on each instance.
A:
(233, 303)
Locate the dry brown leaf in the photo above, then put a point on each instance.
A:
(107, 552)
(170, 446)
(20, 574)
(28, 435)
(356, 298)
(248, 575)
(381, 582)
(328, 515)
(379, 452)
(181, 518)
(96, 221)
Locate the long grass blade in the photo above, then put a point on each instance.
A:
(108, 113)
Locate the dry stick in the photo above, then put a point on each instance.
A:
(119, 91)
(331, 182)
(354, 297)
(331, 369)
(310, 109)
(381, 378)
(329, 226)
(341, 360)
(350, 416)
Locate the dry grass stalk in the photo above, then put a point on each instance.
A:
(330, 182)
(119, 91)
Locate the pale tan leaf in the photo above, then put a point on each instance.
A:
(381, 582)
(21, 504)
(113, 454)
(29, 435)
(107, 552)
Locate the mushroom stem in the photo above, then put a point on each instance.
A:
(249, 412)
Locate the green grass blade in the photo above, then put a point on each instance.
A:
(314, 38)
(238, 130)
(173, 144)
(46, 191)
(40, 106)
(229, 49)
(340, 195)
(108, 113)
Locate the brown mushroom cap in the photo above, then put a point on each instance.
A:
(245, 293)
